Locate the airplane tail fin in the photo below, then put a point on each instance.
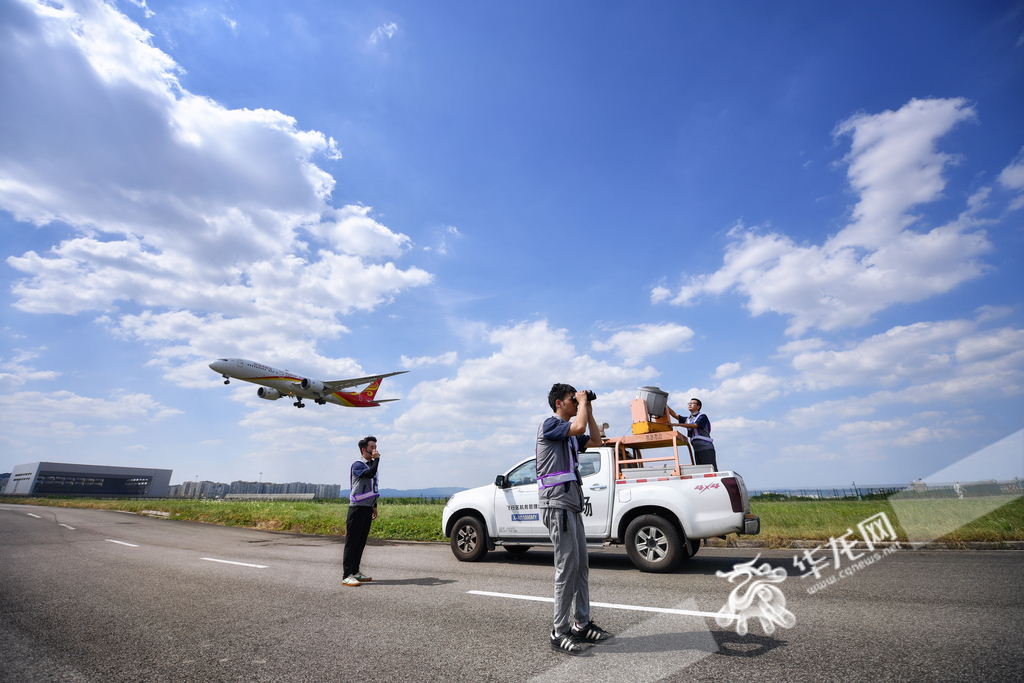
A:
(371, 390)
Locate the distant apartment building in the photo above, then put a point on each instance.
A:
(210, 489)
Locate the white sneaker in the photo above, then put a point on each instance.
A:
(351, 580)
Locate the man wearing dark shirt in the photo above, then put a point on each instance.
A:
(560, 438)
(362, 510)
(698, 431)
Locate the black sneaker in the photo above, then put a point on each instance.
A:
(591, 633)
(568, 643)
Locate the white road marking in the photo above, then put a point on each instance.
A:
(68, 526)
(31, 515)
(132, 545)
(240, 564)
(637, 608)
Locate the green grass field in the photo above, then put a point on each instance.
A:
(947, 520)
(781, 521)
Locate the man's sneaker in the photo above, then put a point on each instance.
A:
(361, 578)
(591, 633)
(351, 580)
(568, 643)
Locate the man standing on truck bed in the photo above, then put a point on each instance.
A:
(560, 438)
(698, 431)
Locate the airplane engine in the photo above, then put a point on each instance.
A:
(269, 394)
(312, 385)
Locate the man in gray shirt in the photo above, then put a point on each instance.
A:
(560, 439)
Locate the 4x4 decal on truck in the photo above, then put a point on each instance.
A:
(704, 487)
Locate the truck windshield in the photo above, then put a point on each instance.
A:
(524, 474)
(590, 463)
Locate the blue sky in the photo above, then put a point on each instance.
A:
(807, 215)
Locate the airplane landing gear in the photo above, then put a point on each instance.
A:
(299, 404)
(320, 401)
(227, 380)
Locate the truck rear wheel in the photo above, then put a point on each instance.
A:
(653, 545)
(469, 539)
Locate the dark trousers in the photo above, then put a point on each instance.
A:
(357, 530)
(705, 456)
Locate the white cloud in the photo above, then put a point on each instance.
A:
(381, 32)
(484, 417)
(876, 260)
(350, 230)
(725, 370)
(635, 344)
(142, 5)
(736, 426)
(449, 358)
(918, 350)
(989, 345)
(739, 393)
(197, 223)
(865, 427)
(17, 373)
(38, 418)
(1012, 178)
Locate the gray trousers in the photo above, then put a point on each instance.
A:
(572, 567)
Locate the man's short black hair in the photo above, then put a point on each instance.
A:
(558, 392)
(364, 442)
(699, 404)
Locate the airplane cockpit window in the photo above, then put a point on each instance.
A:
(524, 474)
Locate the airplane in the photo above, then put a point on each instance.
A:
(278, 383)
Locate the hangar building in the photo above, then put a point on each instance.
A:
(65, 479)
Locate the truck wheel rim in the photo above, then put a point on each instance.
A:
(651, 544)
(467, 539)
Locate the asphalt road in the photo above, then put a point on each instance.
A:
(99, 596)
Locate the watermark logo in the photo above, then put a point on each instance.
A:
(873, 530)
(761, 600)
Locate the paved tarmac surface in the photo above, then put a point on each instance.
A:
(77, 606)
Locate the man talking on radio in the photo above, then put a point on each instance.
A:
(560, 439)
(362, 510)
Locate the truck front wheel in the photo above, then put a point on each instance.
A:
(652, 544)
(469, 539)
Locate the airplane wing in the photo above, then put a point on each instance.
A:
(339, 384)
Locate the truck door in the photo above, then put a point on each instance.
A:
(515, 508)
(597, 492)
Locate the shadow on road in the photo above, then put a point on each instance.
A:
(731, 644)
(617, 560)
(425, 581)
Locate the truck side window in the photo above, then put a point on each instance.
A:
(524, 474)
(590, 463)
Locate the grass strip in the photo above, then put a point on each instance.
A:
(781, 521)
(396, 521)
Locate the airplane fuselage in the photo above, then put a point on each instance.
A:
(279, 383)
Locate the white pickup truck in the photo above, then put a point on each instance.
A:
(660, 518)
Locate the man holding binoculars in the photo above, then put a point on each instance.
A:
(560, 439)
